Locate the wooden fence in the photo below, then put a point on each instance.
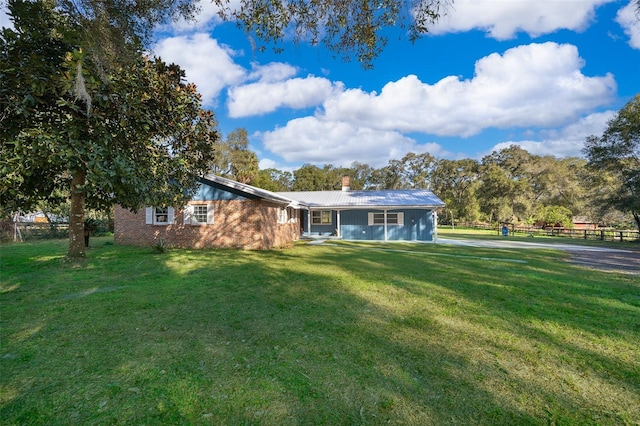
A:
(602, 234)
(25, 231)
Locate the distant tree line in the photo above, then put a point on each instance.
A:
(510, 185)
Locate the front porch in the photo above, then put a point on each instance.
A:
(366, 223)
(307, 236)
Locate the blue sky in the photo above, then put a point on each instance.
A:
(540, 74)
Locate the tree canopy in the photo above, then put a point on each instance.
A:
(345, 27)
(456, 183)
(618, 152)
(348, 28)
(108, 29)
(234, 159)
(139, 136)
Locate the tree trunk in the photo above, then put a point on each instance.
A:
(76, 219)
(636, 217)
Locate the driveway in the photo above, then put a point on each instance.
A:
(602, 258)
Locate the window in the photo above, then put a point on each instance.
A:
(321, 217)
(392, 218)
(282, 215)
(378, 219)
(159, 215)
(198, 214)
(287, 215)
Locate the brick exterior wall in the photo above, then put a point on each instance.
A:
(245, 224)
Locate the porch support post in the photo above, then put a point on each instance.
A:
(434, 224)
(385, 225)
(338, 220)
(309, 221)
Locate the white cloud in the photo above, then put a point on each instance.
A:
(311, 140)
(207, 17)
(629, 19)
(533, 85)
(275, 88)
(272, 72)
(263, 97)
(267, 163)
(206, 63)
(503, 19)
(592, 125)
(568, 141)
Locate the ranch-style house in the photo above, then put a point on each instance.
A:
(228, 214)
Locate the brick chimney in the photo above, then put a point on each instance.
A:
(346, 183)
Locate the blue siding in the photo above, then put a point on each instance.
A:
(210, 193)
(320, 229)
(418, 226)
(353, 226)
(323, 229)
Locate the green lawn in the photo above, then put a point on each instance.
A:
(413, 334)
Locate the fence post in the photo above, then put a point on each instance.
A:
(621, 239)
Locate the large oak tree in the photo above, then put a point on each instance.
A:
(136, 136)
(617, 151)
(456, 183)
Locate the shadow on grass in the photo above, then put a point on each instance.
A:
(317, 335)
(582, 322)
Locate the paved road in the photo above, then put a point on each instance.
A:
(604, 258)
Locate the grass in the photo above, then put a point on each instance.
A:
(330, 334)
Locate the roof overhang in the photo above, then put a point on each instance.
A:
(251, 191)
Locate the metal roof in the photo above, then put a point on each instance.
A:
(386, 199)
(389, 199)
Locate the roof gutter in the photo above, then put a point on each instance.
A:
(345, 207)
